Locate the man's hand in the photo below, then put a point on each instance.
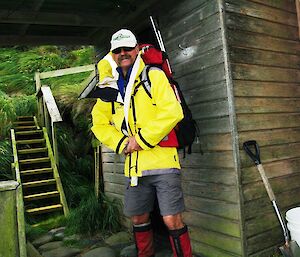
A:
(132, 146)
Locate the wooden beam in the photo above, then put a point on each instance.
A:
(51, 105)
(61, 19)
(42, 40)
(37, 4)
(143, 10)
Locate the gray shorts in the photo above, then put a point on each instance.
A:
(167, 188)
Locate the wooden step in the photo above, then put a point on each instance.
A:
(39, 183)
(30, 141)
(28, 132)
(36, 171)
(33, 150)
(25, 128)
(35, 160)
(25, 123)
(41, 196)
(44, 209)
(24, 118)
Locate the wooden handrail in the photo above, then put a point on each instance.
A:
(56, 174)
(68, 71)
(47, 106)
(51, 104)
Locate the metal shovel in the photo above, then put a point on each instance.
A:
(290, 248)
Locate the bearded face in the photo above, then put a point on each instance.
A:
(125, 57)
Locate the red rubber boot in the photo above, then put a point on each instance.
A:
(180, 242)
(143, 235)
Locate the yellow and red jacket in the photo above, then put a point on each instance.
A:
(150, 120)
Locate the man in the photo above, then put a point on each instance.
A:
(130, 121)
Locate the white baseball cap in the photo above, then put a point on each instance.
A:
(123, 38)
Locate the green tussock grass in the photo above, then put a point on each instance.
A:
(17, 84)
(78, 111)
(75, 164)
(94, 215)
(18, 65)
(11, 107)
(35, 231)
(8, 60)
(5, 160)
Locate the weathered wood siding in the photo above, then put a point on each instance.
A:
(265, 60)
(113, 173)
(193, 37)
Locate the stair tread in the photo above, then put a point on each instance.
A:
(29, 132)
(24, 117)
(30, 141)
(25, 127)
(20, 122)
(36, 171)
(41, 195)
(35, 160)
(33, 150)
(39, 182)
(44, 208)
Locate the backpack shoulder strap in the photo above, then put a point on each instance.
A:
(145, 80)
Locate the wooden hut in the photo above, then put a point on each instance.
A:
(238, 64)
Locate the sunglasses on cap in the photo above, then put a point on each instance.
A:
(125, 49)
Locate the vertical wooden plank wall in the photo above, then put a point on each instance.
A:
(193, 36)
(265, 60)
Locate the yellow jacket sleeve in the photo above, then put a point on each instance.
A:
(104, 69)
(168, 111)
(104, 131)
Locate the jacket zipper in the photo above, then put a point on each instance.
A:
(135, 129)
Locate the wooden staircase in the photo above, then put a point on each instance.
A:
(41, 184)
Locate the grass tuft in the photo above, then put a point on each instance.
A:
(94, 215)
(5, 160)
(33, 232)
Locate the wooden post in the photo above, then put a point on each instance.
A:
(21, 221)
(54, 142)
(40, 106)
(97, 155)
(19, 200)
(298, 14)
(46, 115)
(8, 228)
(99, 185)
